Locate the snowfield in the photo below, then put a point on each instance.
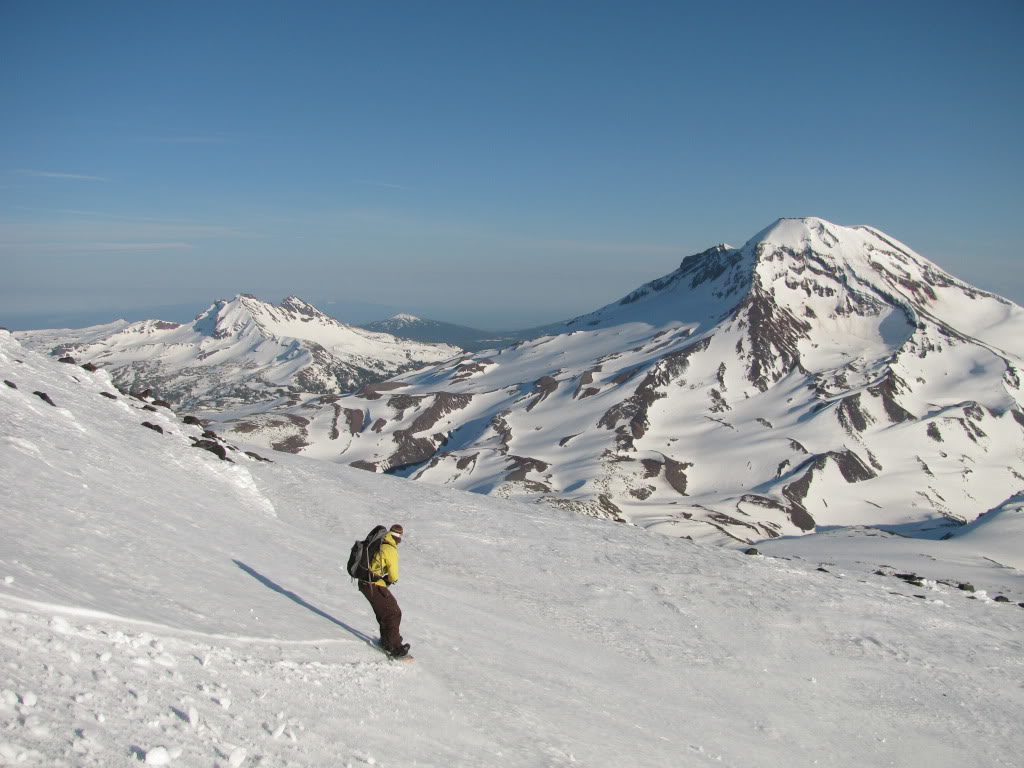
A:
(159, 605)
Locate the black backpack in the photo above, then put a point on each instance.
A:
(363, 553)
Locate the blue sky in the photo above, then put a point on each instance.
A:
(488, 163)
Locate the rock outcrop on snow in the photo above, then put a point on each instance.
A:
(819, 375)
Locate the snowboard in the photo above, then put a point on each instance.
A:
(407, 657)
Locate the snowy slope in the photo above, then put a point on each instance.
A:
(242, 350)
(158, 603)
(818, 376)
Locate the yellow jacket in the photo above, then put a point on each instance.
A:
(384, 566)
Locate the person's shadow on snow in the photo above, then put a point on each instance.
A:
(296, 599)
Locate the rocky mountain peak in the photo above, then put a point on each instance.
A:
(817, 375)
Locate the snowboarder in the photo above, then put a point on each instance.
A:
(384, 573)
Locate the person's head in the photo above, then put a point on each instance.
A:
(396, 532)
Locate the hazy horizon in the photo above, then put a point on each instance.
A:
(490, 165)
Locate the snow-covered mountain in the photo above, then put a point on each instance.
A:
(240, 351)
(406, 326)
(163, 605)
(820, 375)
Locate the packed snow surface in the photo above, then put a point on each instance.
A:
(161, 606)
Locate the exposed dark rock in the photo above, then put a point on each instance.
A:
(675, 474)
(503, 430)
(10, 384)
(586, 379)
(466, 461)
(444, 403)
(589, 392)
(521, 465)
(1001, 599)
(161, 403)
(154, 427)
(213, 447)
(623, 376)
(90, 368)
(652, 468)
(144, 395)
(354, 418)
(67, 359)
(372, 391)
(369, 466)
(411, 450)
(850, 414)
(192, 420)
(334, 433)
(709, 265)
(887, 388)
(911, 578)
(148, 407)
(636, 407)
(543, 387)
(774, 334)
(378, 425)
(292, 444)
(850, 465)
(44, 397)
(402, 402)
(642, 493)
(565, 440)
(108, 394)
(965, 587)
(751, 551)
(718, 403)
(465, 370)
(1017, 416)
(610, 509)
(256, 456)
(211, 435)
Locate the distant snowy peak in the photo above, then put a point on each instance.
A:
(226, 318)
(399, 323)
(242, 350)
(403, 318)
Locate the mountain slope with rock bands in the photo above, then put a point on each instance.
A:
(820, 375)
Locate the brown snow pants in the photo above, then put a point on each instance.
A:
(389, 615)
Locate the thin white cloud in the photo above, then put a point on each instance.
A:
(186, 139)
(77, 224)
(382, 184)
(58, 175)
(602, 247)
(93, 247)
